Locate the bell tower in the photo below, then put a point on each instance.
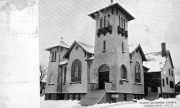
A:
(111, 46)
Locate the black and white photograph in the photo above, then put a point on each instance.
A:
(90, 53)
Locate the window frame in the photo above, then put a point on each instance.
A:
(104, 45)
(123, 71)
(101, 23)
(108, 20)
(105, 21)
(76, 76)
(163, 82)
(137, 73)
(167, 80)
(51, 81)
(65, 72)
(123, 47)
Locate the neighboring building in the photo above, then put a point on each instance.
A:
(160, 78)
(177, 88)
(110, 71)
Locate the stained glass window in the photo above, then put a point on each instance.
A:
(137, 73)
(76, 71)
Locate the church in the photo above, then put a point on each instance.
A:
(110, 71)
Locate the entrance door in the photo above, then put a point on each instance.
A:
(103, 76)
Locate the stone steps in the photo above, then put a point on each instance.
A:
(92, 98)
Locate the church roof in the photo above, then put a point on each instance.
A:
(63, 62)
(61, 44)
(155, 61)
(85, 47)
(88, 48)
(130, 17)
(134, 47)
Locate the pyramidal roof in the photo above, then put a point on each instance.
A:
(61, 44)
(116, 5)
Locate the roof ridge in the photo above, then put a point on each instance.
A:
(153, 52)
(84, 44)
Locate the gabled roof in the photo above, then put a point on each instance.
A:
(156, 62)
(85, 47)
(133, 48)
(178, 84)
(130, 17)
(65, 61)
(61, 44)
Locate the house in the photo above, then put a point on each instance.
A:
(110, 71)
(160, 78)
(177, 88)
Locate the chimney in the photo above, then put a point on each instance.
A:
(163, 46)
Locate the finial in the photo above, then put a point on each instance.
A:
(111, 1)
(61, 39)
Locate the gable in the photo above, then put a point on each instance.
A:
(86, 48)
(136, 48)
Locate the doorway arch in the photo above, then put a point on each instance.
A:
(103, 76)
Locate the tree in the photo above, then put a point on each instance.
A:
(43, 72)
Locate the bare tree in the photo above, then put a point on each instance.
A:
(43, 72)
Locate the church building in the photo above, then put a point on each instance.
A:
(110, 71)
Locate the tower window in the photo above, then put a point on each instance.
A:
(104, 45)
(101, 23)
(53, 56)
(124, 24)
(119, 20)
(123, 72)
(104, 21)
(122, 47)
(51, 78)
(117, 11)
(65, 70)
(108, 20)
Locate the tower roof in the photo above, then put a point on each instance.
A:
(61, 44)
(130, 17)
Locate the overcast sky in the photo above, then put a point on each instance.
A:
(155, 22)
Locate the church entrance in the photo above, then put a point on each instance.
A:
(103, 76)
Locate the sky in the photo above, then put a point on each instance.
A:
(155, 22)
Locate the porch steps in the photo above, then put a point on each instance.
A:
(92, 98)
(152, 96)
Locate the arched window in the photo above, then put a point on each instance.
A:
(103, 68)
(51, 78)
(123, 72)
(76, 71)
(104, 21)
(108, 21)
(101, 20)
(137, 73)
